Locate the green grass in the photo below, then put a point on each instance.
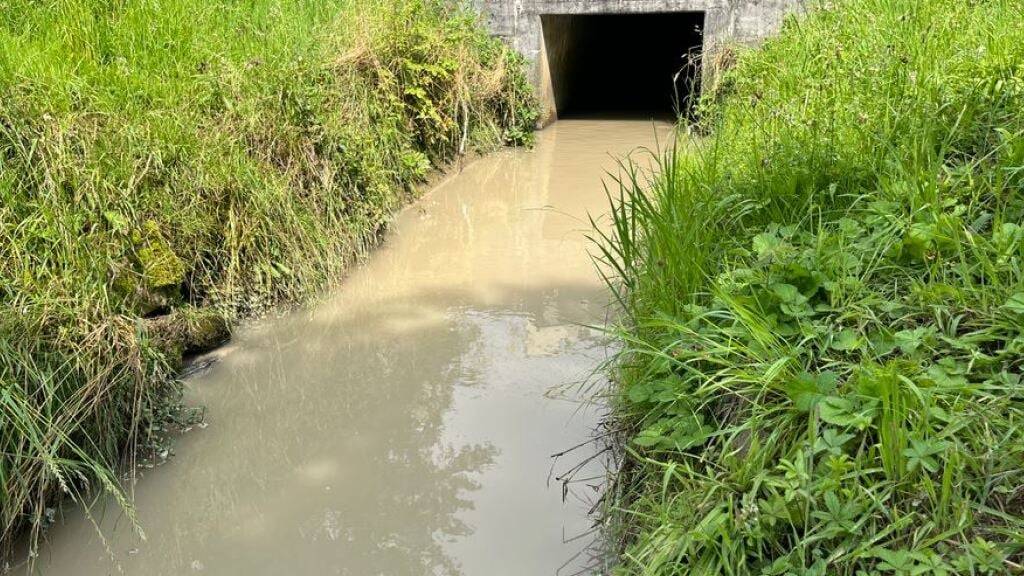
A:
(821, 365)
(169, 165)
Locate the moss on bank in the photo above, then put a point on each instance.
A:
(822, 367)
(167, 167)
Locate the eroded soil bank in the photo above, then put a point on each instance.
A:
(405, 426)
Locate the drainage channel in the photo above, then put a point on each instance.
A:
(405, 426)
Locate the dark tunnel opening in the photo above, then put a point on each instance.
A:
(624, 63)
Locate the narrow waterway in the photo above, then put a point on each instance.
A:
(405, 425)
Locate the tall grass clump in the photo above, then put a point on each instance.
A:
(167, 166)
(822, 357)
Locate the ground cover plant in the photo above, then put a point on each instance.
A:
(168, 166)
(821, 366)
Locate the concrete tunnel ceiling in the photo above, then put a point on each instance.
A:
(626, 63)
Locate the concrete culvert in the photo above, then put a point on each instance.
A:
(623, 63)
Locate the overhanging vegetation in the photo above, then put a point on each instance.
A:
(822, 366)
(166, 167)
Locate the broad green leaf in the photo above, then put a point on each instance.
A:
(766, 245)
(788, 293)
(639, 393)
(910, 340)
(806, 390)
(921, 453)
(843, 412)
(647, 441)
(1015, 303)
(846, 340)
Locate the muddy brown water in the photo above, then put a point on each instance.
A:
(405, 425)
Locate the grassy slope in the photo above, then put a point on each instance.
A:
(168, 163)
(822, 372)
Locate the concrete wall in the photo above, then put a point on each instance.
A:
(559, 35)
(519, 23)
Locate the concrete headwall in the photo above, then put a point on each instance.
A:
(519, 23)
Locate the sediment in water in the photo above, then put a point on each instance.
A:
(405, 424)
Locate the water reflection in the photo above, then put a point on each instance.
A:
(404, 426)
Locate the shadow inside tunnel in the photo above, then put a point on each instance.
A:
(645, 63)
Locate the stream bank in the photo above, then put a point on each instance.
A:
(169, 168)
(824, 306)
